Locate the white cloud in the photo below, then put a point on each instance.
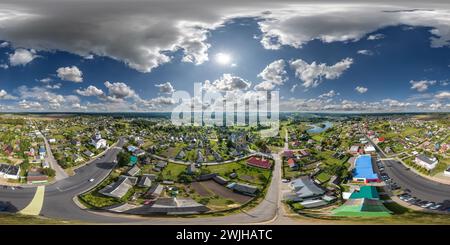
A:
(4, 44)
(361, 89)
(118, 91)
(46, 80)
(293, 88)
(90, 91)
(30, 105)
(5, 96)
(329, 94)
(72, 74)
(53, 86)
(166, 88)
(365, 52)
(375, 36)
(273, 75)
(299, 24)
(141, 34)
(444, 95)
(22, 57)
(313, 74)
(421, 85)
(4, 66)
(227, 82)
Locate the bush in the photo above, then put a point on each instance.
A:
(49, 172)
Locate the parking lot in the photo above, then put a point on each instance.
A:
(414, 189)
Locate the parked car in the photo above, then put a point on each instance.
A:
(427, 204)
(436, 206)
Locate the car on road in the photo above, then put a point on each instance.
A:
(3, 207)
(436, 206)
(91, 180)
(409, 199)
(284, 180)
(427, 204)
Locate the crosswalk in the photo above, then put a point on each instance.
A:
(35, 206)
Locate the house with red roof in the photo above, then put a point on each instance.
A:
(288, 153)
(259, 162)
(292, 164)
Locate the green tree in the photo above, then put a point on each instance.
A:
(49, 172)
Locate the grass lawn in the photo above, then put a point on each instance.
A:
(17, 219)
(172, 170)
(323, 177)
(251, 175)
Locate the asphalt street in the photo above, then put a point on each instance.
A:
(58, 201)
(418, 186)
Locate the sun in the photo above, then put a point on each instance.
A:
(223, 58)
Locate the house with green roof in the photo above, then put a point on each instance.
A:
(133, 160)
(363, 203)
(366, 192)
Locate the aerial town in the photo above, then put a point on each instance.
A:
(321, 168)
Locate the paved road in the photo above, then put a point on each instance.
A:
(59, 171)
(58, 201)
(419, 186)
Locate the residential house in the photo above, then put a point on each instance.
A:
(88, 153)
(36, 177)
(259, 162)
(154, 191)
(292, 164)
(303, 188)
(426, 162)
(133, 171)
(9, 171)
(244, 189)
(144, 181)
(119, 188)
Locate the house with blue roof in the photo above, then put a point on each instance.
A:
(363, 171)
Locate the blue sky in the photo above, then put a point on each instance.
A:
(400, 65)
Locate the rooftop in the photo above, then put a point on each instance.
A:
(363, 168)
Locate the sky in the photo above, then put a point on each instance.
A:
(105, 55)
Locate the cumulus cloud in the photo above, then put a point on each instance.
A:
(141, 34)
(361, 89)
(30, 105)
(4, 66)
(421, 85)
(166, 88)
(444, 95)
(335, 22)
(70, 73)
(5, 96)
(4, 44)
(227, 82)
(272, 75)
(90, 91)
(22, 56)
(329, 94)
(313, 74)
(293, 88)
(119, 91)
(365, 52)
(375, 36)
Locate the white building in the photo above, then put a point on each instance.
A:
(447, 172)
(100, 143)
(9, 171)
(426, 162)
(369, 149)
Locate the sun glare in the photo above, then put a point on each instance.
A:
(223, 58)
